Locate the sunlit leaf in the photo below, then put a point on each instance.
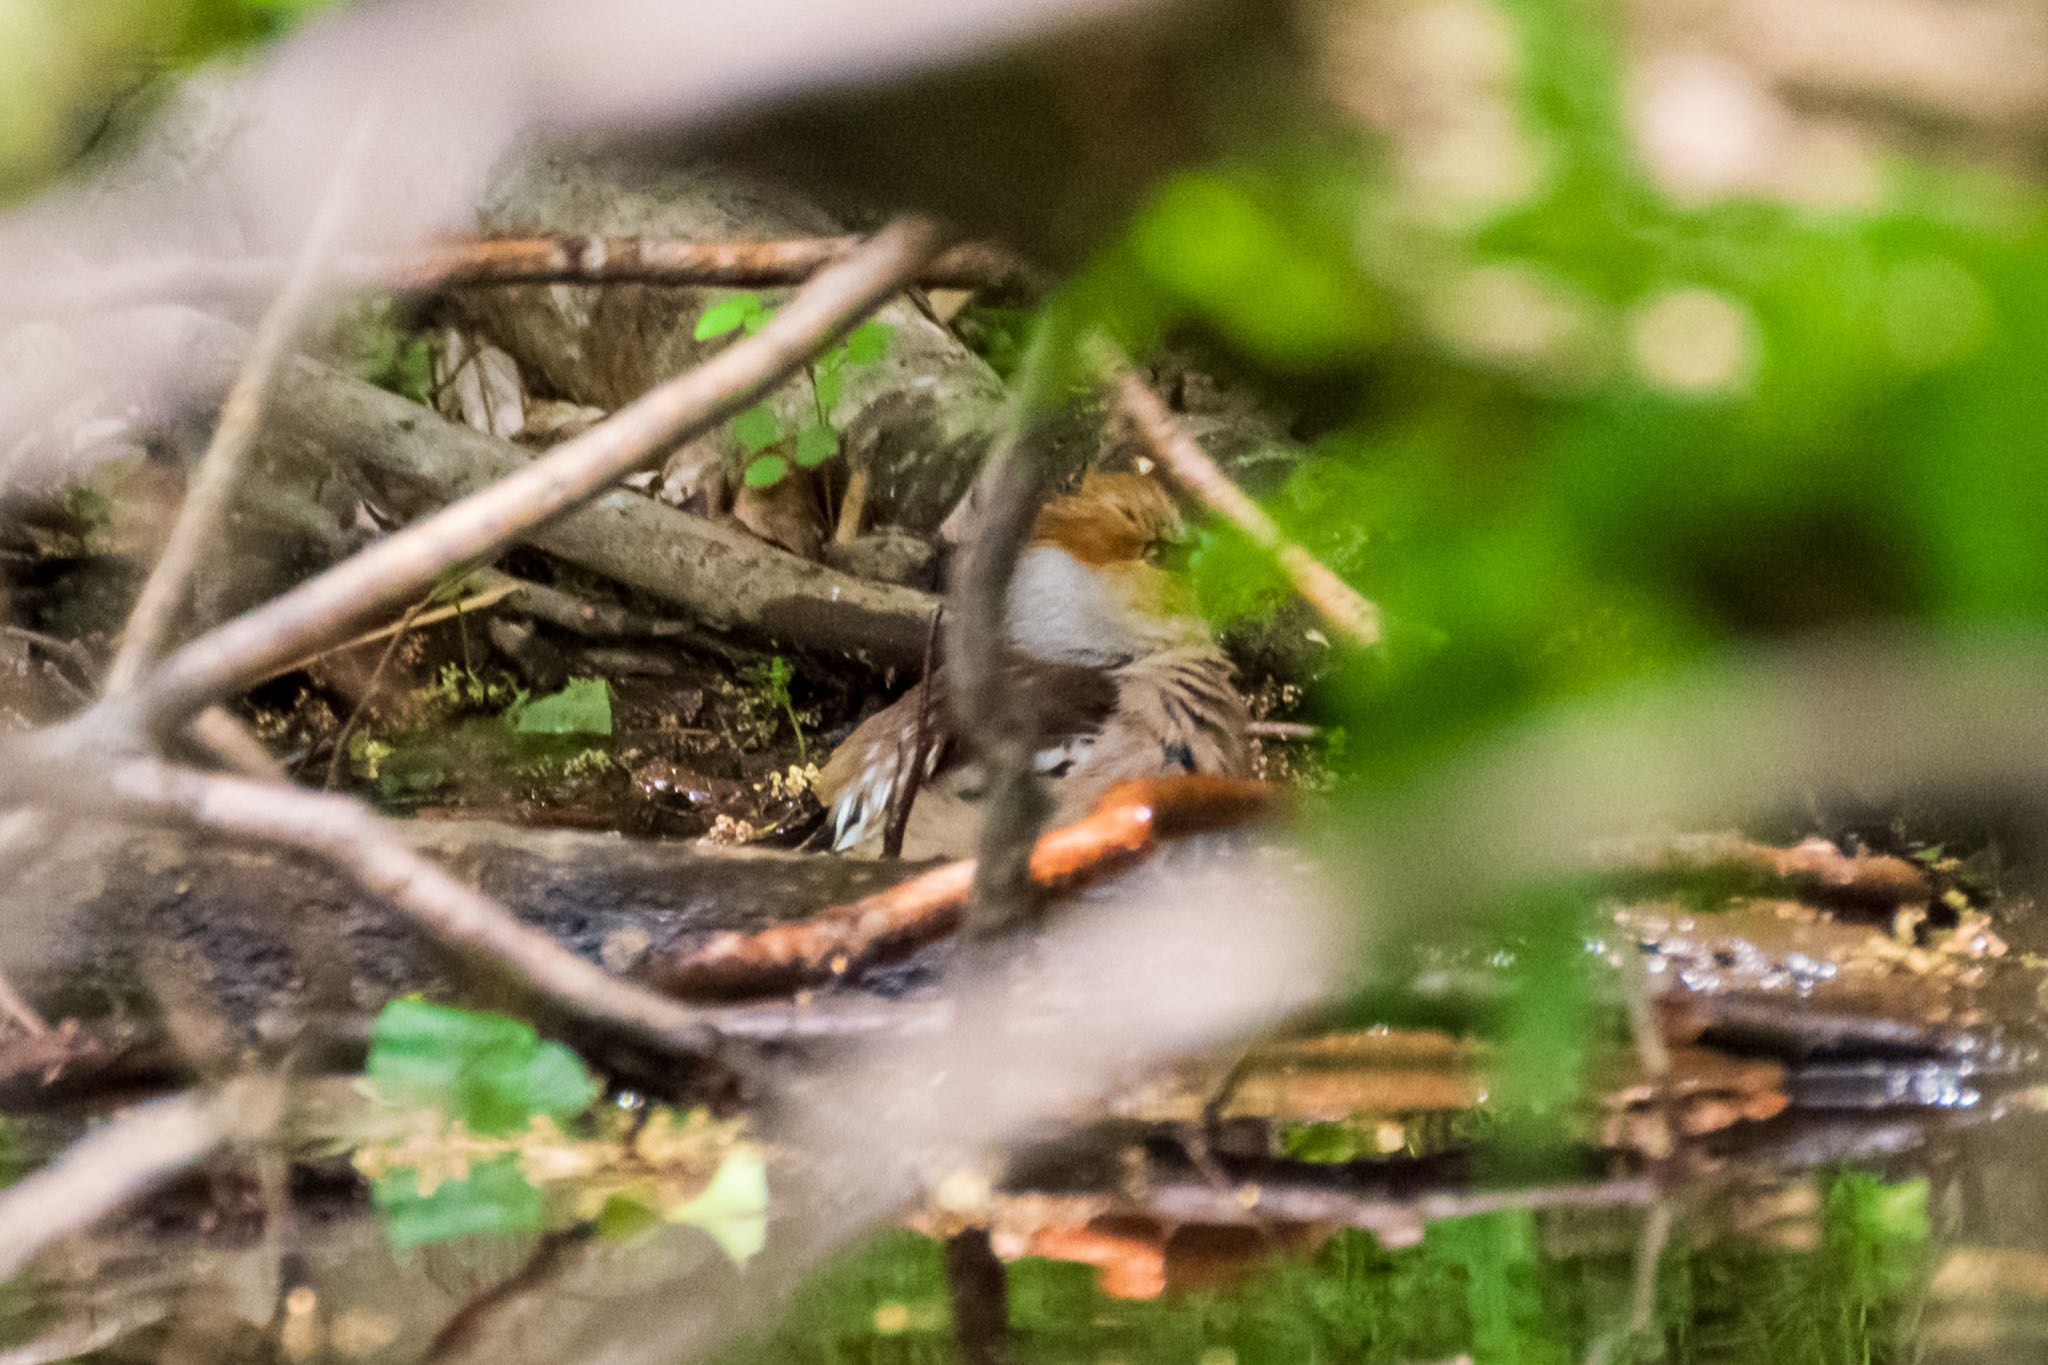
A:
(582, 707)
(757, 428)
(495, 1074)
(767, 471)
(815, 445)
(727, 315)
(867, 343)
(830, 385)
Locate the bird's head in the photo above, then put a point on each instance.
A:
(1090, 587)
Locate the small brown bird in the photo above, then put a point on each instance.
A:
(1119, 676)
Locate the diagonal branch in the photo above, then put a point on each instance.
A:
(1356, 619)
(125, 1158)
(389, 572)
(219, 471)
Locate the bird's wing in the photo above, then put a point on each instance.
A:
(1066, 704)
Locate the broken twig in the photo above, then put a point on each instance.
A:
(218, 474)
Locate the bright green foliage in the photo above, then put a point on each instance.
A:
(582, 707)
(765, 471)
(728, 315)
(493, 1073)
(864, 345)
(757, 428)
(767, 443)
(815, 445)
(773, 679)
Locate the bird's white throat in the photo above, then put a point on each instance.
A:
(1062, 611)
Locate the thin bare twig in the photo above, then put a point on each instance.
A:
(390, 651)
(16, 1007)
(394, 569)
(124, 1159)
(563, 259)
(486, 597)
(1282, 729)
(219, 471)
(1183, 458)
(1814, 869)
(469, 925)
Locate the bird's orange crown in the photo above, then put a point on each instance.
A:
(1111, 518)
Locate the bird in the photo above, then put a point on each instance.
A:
(1106, 656)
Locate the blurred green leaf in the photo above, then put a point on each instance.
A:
(733, 1208)
(766, 471)
(493, 1073)
(495, 1198)
(815, 445)
(829, 385)
(757, 428)
(867, 343)
(727, 315)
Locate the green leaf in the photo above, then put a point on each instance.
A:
(867, 343)
(582, 707)
(496, 1198)
(493, 1073)
(815, 445)
(767, 471)
(733, 1208)
(727, 315)
(757, 428)
(758, 319)
(829, 384)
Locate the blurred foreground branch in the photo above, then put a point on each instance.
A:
(127, 1158)
(215, 479)
(406, 563)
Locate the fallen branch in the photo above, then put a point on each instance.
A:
(1183, 458)
(127, 1158)
(388, 572)
(1812, 870)
(562, 258)
(547, 977)
(1125, 827)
